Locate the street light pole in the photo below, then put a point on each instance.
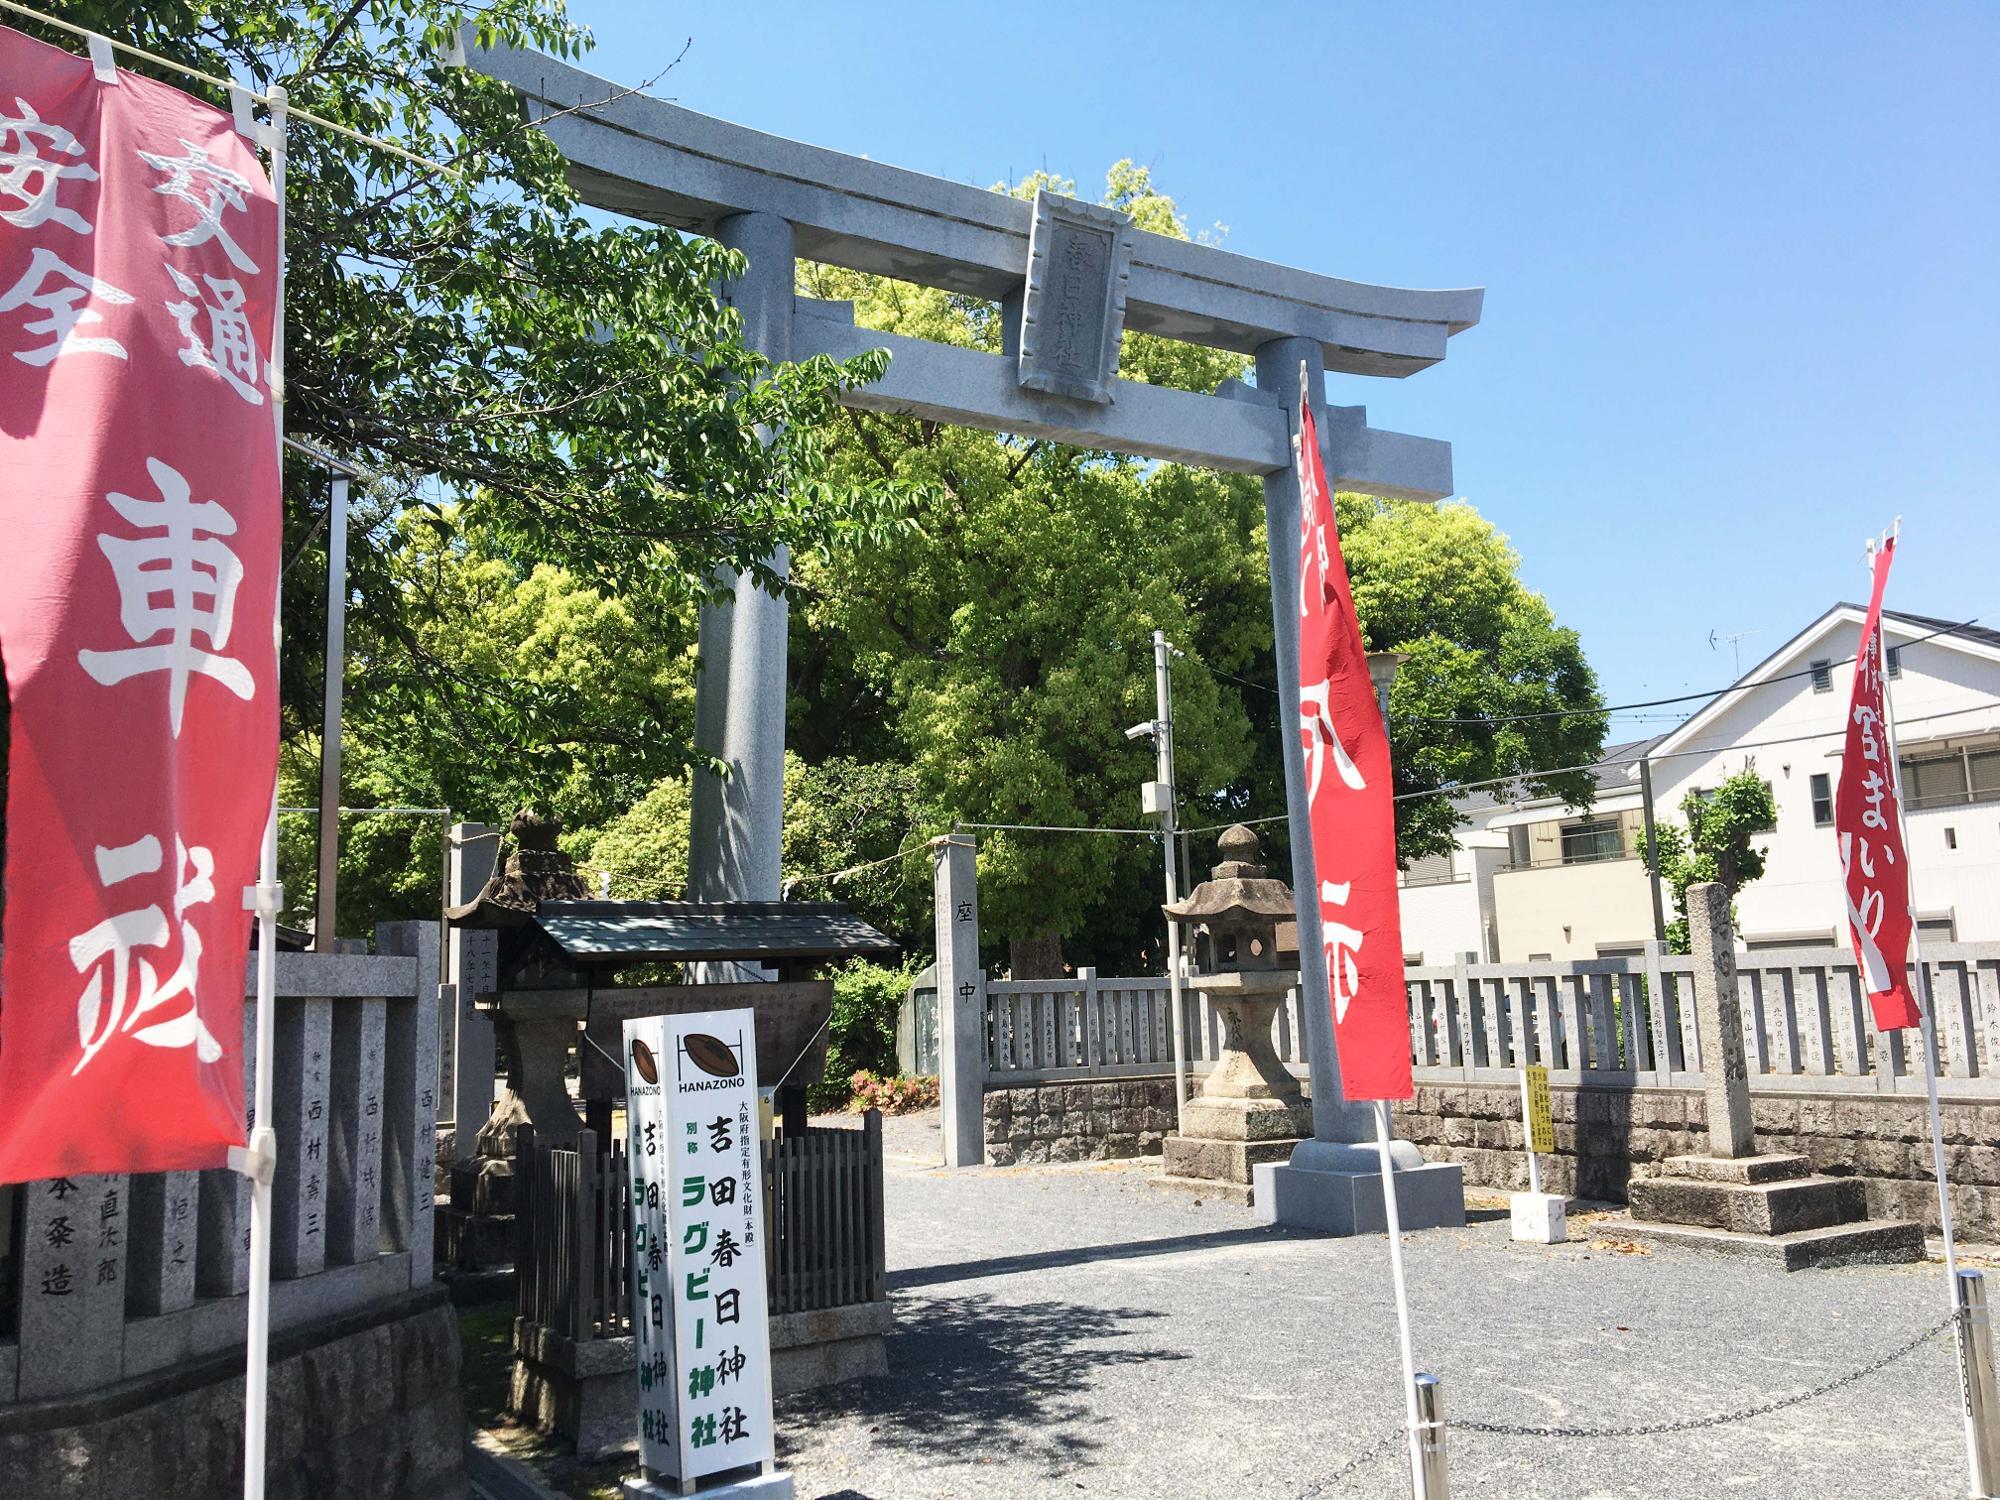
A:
(1159, 798)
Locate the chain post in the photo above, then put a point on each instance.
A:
(1976, 1383)
(1433, 1481)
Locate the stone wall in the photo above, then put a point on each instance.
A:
(364, 1407)
(1096, 1121)
(1605, 1136)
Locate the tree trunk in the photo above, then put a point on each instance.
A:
(1037, 955)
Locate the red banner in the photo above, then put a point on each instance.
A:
(1348, 793)
(1868, 819)
(138, 583)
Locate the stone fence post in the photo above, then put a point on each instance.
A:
(961, 994)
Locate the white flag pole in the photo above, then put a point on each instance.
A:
(1395, 1226)
(265, 898)
(1927, 1035)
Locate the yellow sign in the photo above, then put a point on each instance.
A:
(1541, 1125)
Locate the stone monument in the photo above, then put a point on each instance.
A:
(1249, 1109)
(1734, 1199)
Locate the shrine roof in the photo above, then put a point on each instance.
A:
(663, 931)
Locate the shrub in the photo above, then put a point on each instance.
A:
(861, 1037)
(896, 1095)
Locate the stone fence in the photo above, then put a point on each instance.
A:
(127, 1291)
(1617, 1034)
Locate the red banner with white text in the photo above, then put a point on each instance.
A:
(1349, 796)
(1868, 821)
(138, 581)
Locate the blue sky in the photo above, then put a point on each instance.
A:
(1740, 260)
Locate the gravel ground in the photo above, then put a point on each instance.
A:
(1076, 1330)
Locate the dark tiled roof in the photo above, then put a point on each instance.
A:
(659, 931)
(1612, 767)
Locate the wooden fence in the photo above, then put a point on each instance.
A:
(823, 1228)
(1607, 1021)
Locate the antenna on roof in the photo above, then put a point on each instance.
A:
(1735, 646)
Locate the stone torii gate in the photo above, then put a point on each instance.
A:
(1069, 277)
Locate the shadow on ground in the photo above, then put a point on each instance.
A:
(1083, 1255)
(1017, 1374)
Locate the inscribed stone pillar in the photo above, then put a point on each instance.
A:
(161, 1247)
(961, 993)
(1334, 1119)
(354, 1132)
(739, 714)
(300, 1058)
(222, 1248)
(72, 1317)
(410, 1094)
(467, 1066)
(1719, 1021)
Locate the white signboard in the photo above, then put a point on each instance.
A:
(698, 1308)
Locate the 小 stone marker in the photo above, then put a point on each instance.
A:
(1718, 1016)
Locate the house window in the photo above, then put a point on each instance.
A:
(1432, 869)
(1822, 795)
(1934, 780)
(1895, 659)
(1951, 838)
(1983, 770)
(1822, 676)
(1518, 847)
(1591, 840)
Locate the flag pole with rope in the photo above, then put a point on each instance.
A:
(1927, 1038)
(265, 898)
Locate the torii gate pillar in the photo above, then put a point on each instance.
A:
(739, 704)
(1332, 1182)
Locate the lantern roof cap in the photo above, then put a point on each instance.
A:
(1238, 888)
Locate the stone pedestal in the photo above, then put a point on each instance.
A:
(1336, 1188)
(1249, 1111)
(1539, 1218)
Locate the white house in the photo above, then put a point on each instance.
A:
(1535, 879)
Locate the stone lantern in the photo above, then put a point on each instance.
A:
(1249, 1108)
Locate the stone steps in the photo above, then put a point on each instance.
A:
(1865, 1242)
(1771, 1208)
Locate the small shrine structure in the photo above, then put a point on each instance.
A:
(555, 989)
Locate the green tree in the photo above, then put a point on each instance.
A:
(1492, 686)
(571, 388)
(1716, 844)
(1006, 638)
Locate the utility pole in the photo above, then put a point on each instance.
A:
(328, 898)
(1158, 797)
(1652, 850)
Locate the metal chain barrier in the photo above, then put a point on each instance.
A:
(1395, 1437)
(1691, 1424)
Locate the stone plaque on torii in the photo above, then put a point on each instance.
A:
(1069, 278)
